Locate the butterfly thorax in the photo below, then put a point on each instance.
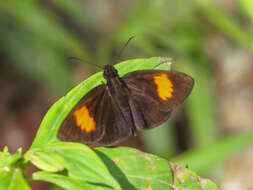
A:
(110, 72)
(120, 97)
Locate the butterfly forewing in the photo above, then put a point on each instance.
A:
(157, 92)
(86, 122)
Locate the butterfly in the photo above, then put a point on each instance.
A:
(111, 112)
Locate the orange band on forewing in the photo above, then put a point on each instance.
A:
(84, 120)
(164, 86)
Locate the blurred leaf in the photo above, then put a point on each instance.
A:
(138, 22)
(160, 140)
(77, 10)
(226, 24)
(247, 6)
(39, 44)
(143, 18)
(42, 25)
(206, 158)
(201, 103)
(185, 37)
(138, 170)
(41, 63)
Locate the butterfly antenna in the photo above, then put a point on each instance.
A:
(85, 61)
(123, 48)
(168, 63)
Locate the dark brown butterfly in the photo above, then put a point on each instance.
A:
(110, 112)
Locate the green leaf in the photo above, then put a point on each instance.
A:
(11, 176)
(205, 158)
(63, 181)
(46, 160)
(6, 159)
(13, 180)
(54, 117)
(138, 170)
(80, 162)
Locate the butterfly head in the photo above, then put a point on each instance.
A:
(110, 72)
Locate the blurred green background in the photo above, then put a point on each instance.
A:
(210, 40)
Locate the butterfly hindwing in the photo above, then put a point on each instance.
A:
(157, 92)
(117, 127)
(85, 123)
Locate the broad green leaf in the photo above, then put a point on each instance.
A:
(138, 170)
(205, 158)
(51, 122)
(80, 162)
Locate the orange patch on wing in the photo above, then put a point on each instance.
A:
(84, 120)
(164, 86)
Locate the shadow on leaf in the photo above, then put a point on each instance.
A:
(116, 172)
